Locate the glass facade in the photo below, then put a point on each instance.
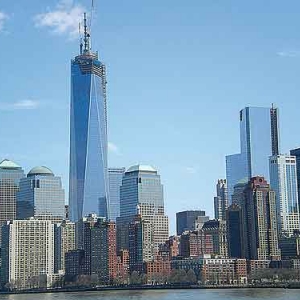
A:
(141, 192)
(296, 153)
(41, 195)
(88, 186)
(115, 176)
(283, 176)
(185, 220)
(234, 231)
(259, 139)
(10, 175)
(235, 171)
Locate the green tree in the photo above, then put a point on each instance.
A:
(178, 276)
(191, 277)
(135, 278)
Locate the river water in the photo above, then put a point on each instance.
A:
(232, 294)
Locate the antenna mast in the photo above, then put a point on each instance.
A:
(80, 38)
(91, 20)
(86, 38)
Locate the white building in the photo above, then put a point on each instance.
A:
(283, 180)
(27, 253)
(64, 242)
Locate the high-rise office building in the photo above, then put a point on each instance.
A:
(187, 220)
(283, 180)
(142, 194)
(260, 227)
(115, 176)
(234, 230)
(10, 175)
(238, 192)
(141, 190)
(290, 247)
(235, 171)
(259, 139)
(296, 153)
(41, 196)
(221, 200)
(88, 187)
(27, 252)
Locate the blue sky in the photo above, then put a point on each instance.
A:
(178, 74)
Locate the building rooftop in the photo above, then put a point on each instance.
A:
(8, 164)
(243, 181)
(144, 168)
(40, 170)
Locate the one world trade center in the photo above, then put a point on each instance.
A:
(88, 181)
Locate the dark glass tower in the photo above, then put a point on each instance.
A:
(259, 139)
(88, 134)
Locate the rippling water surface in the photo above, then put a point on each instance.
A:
(246, 294)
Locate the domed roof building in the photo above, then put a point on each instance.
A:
(40, 170)
(9, 165)
(141, 168)
(10, 175)
(41, 195)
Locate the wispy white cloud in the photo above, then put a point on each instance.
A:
(113, 148)
(3, 18)
(289, 53)
(63, 19)
(191, 170)
(20, 105)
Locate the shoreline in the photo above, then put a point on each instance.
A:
(148, 287)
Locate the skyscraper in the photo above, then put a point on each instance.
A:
(221, 200)
(115, 176)
(259, 231)
(28, 252)
(283, 179)
(187, 220)
(296, 153)
(103, 251)
(10, 175)
(97, 238)
(41, 196)
(259, 139)
(142, 194)
(234, 230)
(88, 187)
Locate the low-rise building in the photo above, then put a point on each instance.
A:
(158, 270)
(210, 270)
(195, 244)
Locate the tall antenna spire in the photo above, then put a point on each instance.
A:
(80, 37)
(91, 20)
(86, 38)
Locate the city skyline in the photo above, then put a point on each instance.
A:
(188, 160)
